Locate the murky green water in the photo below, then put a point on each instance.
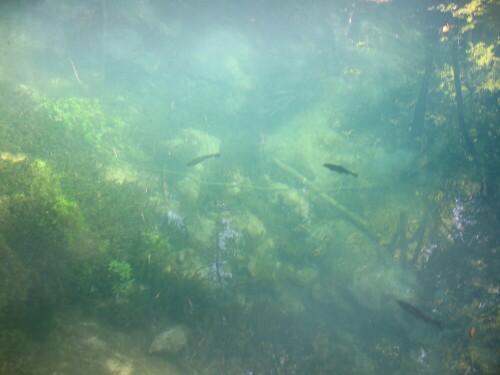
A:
(126, 251)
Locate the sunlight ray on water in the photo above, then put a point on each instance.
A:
(281, 187)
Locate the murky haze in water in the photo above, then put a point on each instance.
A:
(248, 188)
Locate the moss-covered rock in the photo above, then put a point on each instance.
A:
(171, 341)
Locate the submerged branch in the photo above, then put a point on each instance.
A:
(345, 213)
(460, 103)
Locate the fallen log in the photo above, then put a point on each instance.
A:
(344, 212)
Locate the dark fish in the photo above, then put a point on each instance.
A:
(339, 169)
(417, 313)
(199, 159)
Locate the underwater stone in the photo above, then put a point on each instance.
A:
(171, 341)
(250, 224)
(190, 187)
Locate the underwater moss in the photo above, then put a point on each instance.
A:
(83, 116)
(80, 220)
(14, 278)
(120, 274)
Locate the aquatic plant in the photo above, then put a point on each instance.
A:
(83, 116)
(291, 264)
(120, 274)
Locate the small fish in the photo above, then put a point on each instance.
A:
(339, 169)
(417, 313)
(472, 332)
(199, 159)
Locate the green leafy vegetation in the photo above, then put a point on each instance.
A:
(276, 264)
(121, 277)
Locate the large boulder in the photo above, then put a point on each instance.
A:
(171, 341)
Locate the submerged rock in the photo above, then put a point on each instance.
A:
(171, 341)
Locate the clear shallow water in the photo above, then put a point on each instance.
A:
(275, 264)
